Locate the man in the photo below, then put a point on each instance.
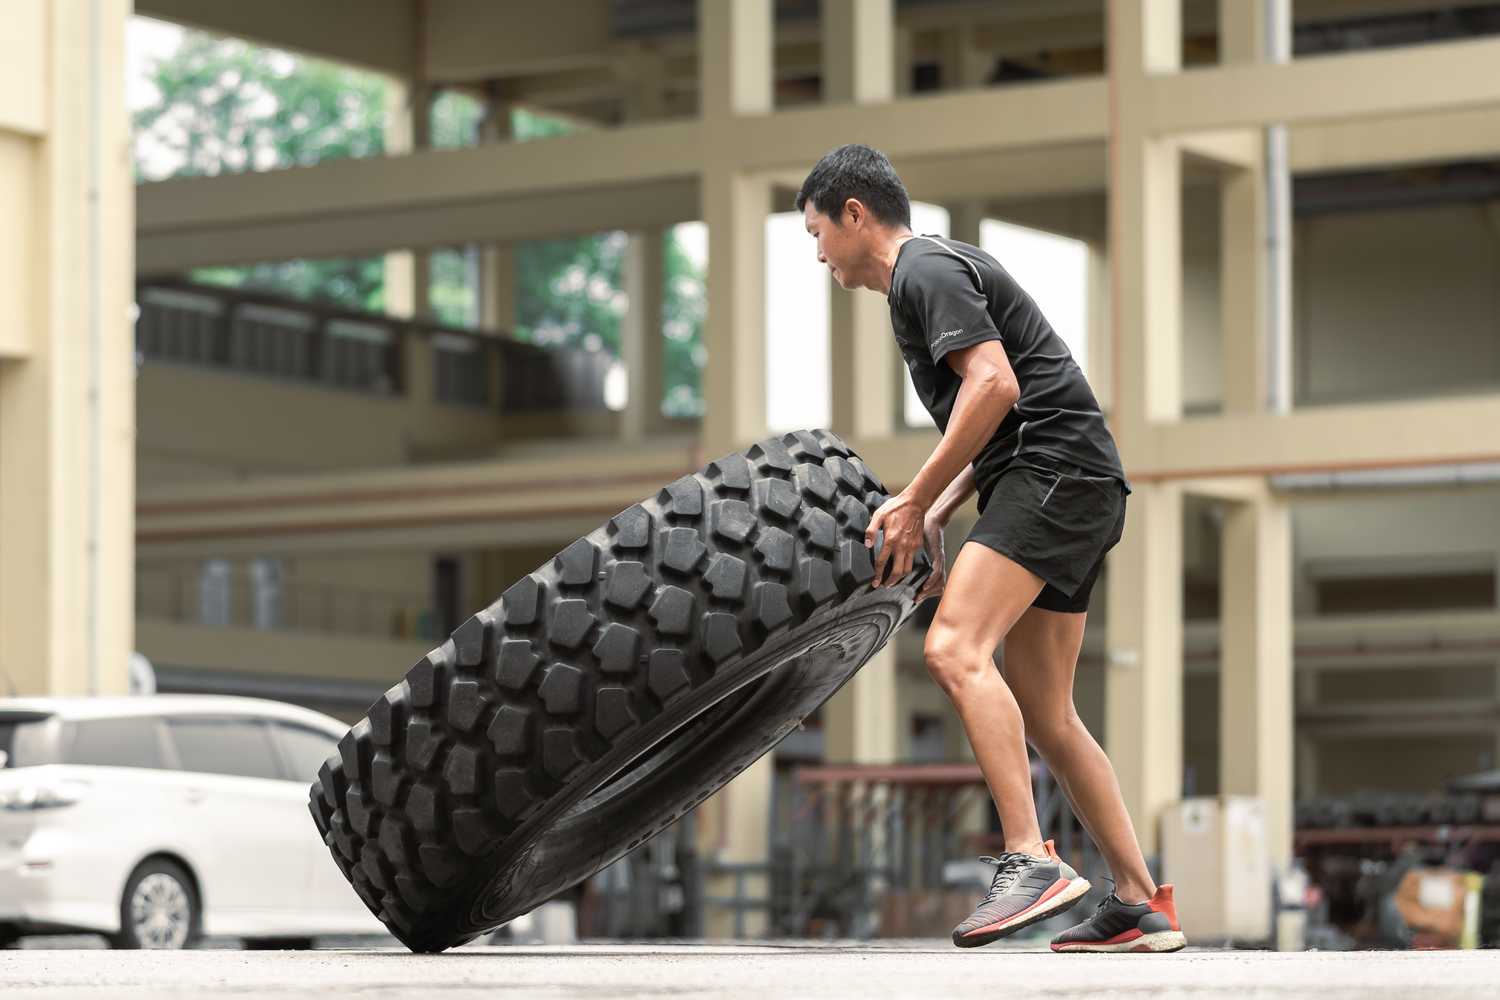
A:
(1020, 424)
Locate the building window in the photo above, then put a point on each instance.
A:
(215, 592)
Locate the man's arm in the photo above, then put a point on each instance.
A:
(955, 496)
(987, 393)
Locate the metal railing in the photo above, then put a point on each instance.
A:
(267, 335)
(873, 843)
(237, 599)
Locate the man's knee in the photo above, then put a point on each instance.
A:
(951, 660)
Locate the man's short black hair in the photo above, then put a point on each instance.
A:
(856, 171)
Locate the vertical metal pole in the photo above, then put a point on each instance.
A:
(1278, 228)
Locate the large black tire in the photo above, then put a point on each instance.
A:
(612, 690)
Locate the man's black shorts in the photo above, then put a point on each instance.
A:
(1057, 520)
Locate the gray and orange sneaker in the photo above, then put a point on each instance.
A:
(1024, 890)
(1119, 926)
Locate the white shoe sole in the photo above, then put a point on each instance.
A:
(1076, 889)
(1159, 941)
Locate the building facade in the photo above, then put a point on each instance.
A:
(1291, 215)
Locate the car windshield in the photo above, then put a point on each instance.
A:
(23, 740)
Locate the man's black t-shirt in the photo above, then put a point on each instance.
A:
(947, 294)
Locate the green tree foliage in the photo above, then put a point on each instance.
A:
(226, 106)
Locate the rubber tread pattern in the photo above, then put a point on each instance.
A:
(573, 657)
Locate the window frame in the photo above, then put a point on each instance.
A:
(283, 758)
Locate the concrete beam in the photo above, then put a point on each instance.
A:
(428, 179)
(1374, 435)
(373, 33)
(1447, 76)
(1395, 140)
(380, 507)
(1034, 115)
(1232, 148)
(1012, 173)
(478, 39)
(505, 219)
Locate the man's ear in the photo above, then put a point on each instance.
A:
(856, 211)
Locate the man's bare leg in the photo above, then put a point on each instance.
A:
(1041, 656)
(984, 595)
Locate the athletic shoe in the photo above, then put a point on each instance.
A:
(1119, 926)
(1024, 890)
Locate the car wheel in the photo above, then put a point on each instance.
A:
(159, 908)
(9, 936)
(612, 690)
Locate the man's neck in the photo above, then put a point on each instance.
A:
(886, 260)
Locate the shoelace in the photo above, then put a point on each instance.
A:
(1105, 901)
(1008, 868)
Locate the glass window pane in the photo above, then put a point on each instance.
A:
(304, 750)
(24, 742)
(240, 747)
(115, 743)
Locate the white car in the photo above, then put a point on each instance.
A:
(155, 820)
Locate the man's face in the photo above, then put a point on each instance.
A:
(839, 246)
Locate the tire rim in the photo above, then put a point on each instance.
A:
(160, 912)
(496, 904)
(673, 745)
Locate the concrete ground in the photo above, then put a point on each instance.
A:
(802, 969)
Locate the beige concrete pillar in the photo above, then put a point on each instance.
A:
(903, 60)
(1255, 684)
(497, 261)
(1305, 681)
(641, 344)
(862, 723)
(1145, 223)
(643, 82)
(1143, 666)
(866, 371)
(858, 67)
(736, 79)
(961, 64)
(408, 127)
(1100, 359)
(964, 218)
(1495, 758)
(67, 351)
(859, 51)
(416, 372)
(1242, 284)
(1143, 672)
(1243, 259)
(735, 68)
